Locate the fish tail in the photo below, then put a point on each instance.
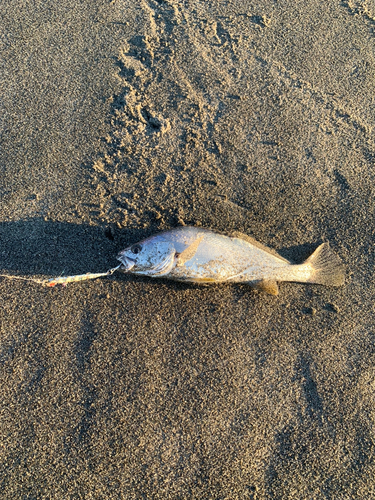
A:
(325, 266)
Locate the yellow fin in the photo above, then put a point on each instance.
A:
(268, 286)
(189, 252)
(201, 280)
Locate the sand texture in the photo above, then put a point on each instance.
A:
(122, 118)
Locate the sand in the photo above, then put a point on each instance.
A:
(119, 119)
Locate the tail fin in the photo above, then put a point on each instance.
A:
(327, 268)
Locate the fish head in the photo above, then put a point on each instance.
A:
(155, 256)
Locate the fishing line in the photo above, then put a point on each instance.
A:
(63, 280)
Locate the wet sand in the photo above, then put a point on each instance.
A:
(119, 119)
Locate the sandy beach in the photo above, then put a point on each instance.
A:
(119, 119)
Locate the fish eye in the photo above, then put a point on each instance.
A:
(136, 248)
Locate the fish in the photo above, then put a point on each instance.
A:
(198, 255)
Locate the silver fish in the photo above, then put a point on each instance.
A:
(200, 255)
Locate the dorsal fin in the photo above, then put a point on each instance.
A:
(256, 243)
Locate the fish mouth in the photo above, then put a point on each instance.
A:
(127, 263)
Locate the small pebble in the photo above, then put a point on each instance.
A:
(332, 308)
(309, 310)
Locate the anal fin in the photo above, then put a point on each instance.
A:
(268, 286)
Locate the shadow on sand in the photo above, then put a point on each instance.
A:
(35, 246)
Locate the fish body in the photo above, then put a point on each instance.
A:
(199, 255)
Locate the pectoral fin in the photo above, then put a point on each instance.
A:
(268, 286)
(189, 252)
